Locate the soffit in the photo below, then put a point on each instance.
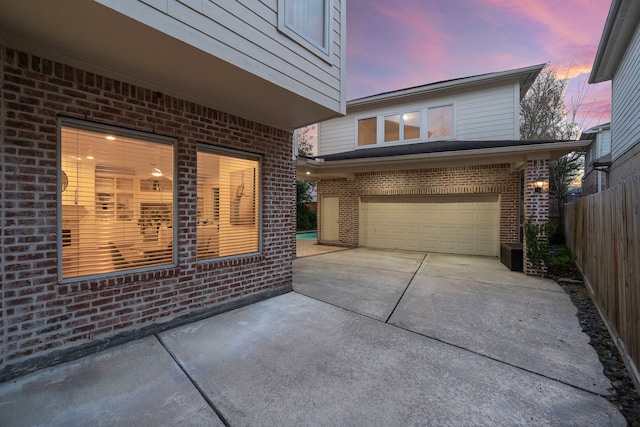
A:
(622, 21)
(98, 39)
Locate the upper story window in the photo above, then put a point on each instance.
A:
(117, 200)
(307, 22)
(440, 122)
(402, 127)
(413, 125)
(368, 131)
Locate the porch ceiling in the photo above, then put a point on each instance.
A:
(313, 169)
(90, 36)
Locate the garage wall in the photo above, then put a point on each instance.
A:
(481, 179)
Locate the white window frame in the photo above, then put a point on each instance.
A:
(401, 126)
(323, 52)
(115, 131)
(239, 154)
(426, 121)
(378, 130)
(424, 126)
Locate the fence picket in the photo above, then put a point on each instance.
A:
(603, 233)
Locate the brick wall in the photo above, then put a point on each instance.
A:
(483, 179)
(625, 166)
(40, 316)
(536, 203)
(590, 182)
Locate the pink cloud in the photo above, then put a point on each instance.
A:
(394, 45)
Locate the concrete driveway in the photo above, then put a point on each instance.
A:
(380, 338)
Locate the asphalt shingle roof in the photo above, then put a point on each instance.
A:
(428, 147)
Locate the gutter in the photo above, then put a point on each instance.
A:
(320, 162)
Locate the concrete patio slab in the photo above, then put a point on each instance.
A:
(135, 384)
(481, 269)
(404, 261)
(308, 247)
(353, 288)
(534, 329)
(293, 360)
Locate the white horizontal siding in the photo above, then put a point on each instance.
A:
(336, 136)
(245, 33)
(487, 114)
(480, 115)
(625, 103)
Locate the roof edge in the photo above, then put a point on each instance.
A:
(526, 75)
(619, 27)
(550, 146)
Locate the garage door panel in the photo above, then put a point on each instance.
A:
(484, 233)
(466, 232)
(466, 246)
(448, 224)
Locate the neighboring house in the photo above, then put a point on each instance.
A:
(617, 59)
(433, 168)
(597, 158)
(146, 161)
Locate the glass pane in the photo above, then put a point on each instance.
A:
(441, 121)
(117, 207)
(411, 124)
(392, 128)
(367, 131)
(228, 205)
(307, 18)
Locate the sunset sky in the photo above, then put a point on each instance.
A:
(397, 44)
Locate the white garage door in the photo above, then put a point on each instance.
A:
(467, 225)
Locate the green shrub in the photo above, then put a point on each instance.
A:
(537, 239)
(305, 217)
(562, 256)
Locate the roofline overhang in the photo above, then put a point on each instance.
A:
(525, 75)
(619, 27)
(136, 43)
(317, 168)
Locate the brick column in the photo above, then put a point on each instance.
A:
(536, 204)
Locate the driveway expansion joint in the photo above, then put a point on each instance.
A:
(407, 287)
(193, 381)
(486, 356)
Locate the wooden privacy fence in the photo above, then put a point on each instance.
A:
(603, 233)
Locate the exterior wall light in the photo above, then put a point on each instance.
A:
(539, 184)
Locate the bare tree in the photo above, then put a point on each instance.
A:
(544, 115)
(304, 140)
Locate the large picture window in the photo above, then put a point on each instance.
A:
(228, 203)
(116, 198)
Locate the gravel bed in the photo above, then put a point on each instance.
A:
(625, 396)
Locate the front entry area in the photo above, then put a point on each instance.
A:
(465, 224)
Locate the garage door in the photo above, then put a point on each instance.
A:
(468, 225)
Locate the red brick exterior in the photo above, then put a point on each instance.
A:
(39, 315)
(536, 204)
(590, 182)
(482, 179)
(625, 166)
